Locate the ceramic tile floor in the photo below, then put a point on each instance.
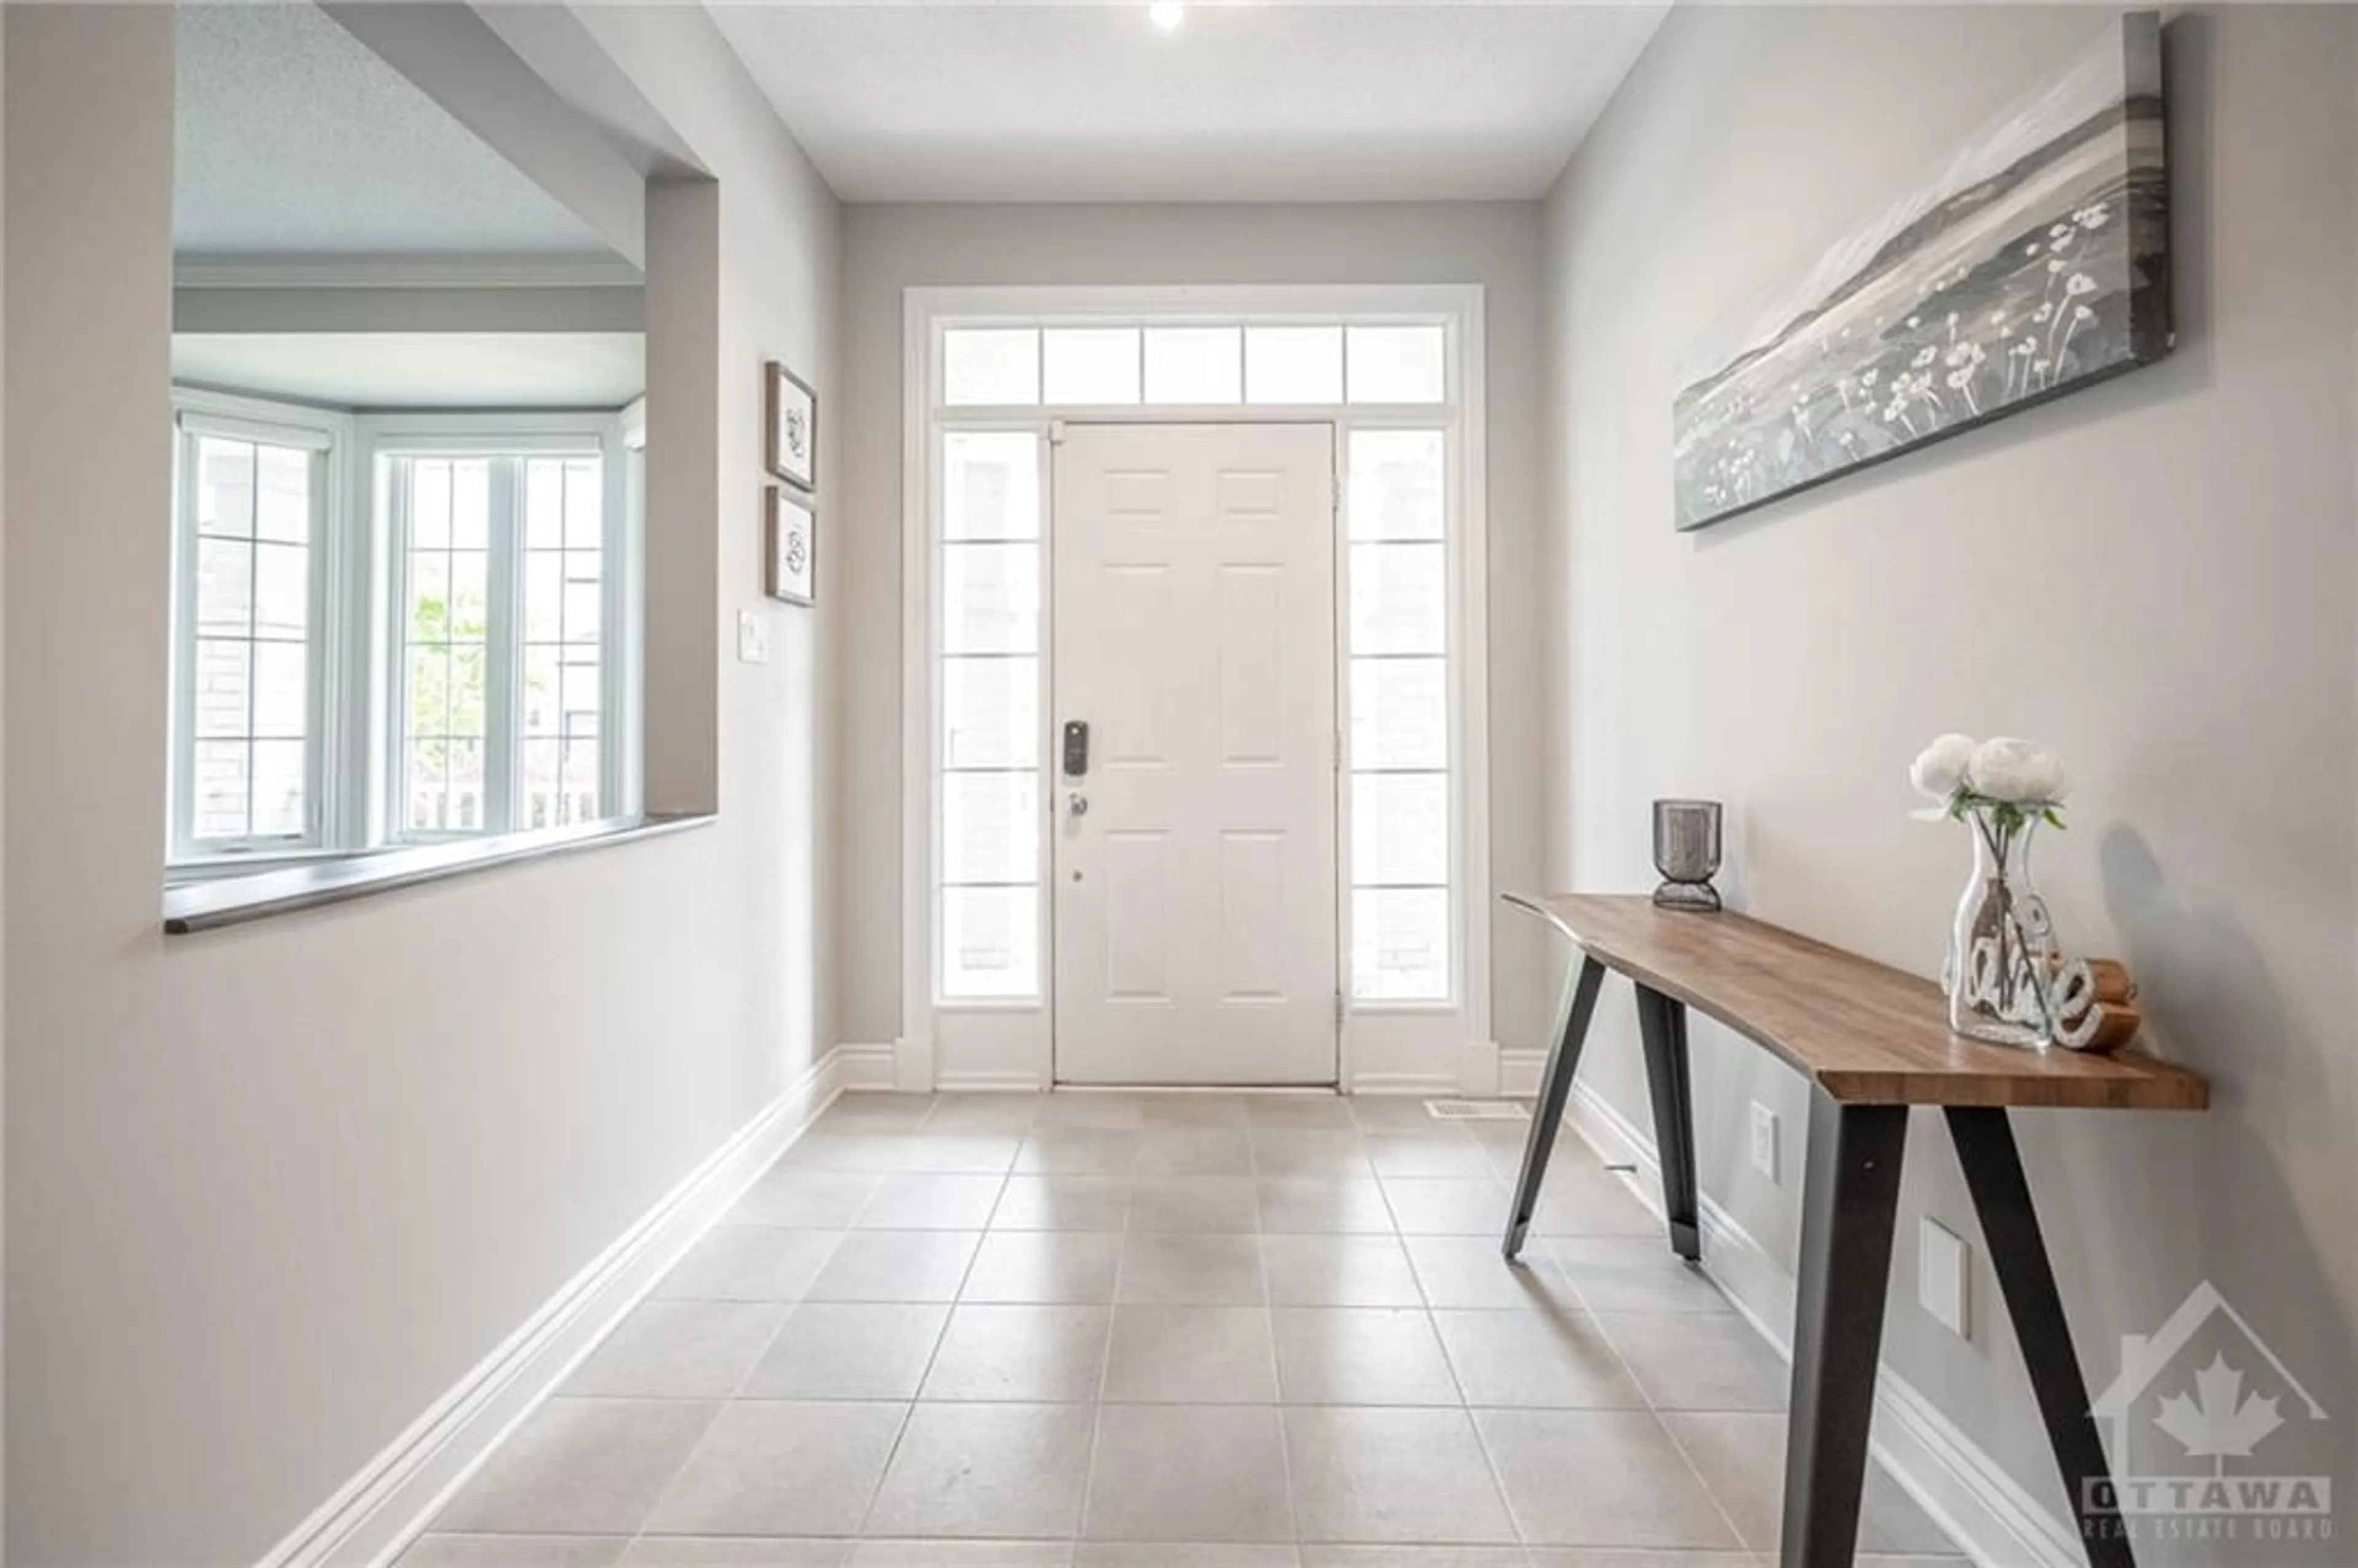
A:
(1160, 1331)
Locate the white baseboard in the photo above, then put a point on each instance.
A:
(374, 1516)
(867, 1066)
(1432, 1085)
(1011, 1080)
(1985, 1512)
(1518, 1070)
(912, 1067)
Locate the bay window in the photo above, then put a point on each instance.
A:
(394, 629)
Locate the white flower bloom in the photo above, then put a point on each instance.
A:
(2059, 232)
(2020, 773)
(2056, 264)
(2042, 313)
(2033, 248)
(1915, 320)
(2080, 284)
(2083, 314)
(1926, 355)
(1940, 768)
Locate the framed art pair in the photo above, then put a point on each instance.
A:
(790, 510)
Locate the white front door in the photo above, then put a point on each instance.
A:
(1194, 857)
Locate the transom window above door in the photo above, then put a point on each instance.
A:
(1214, 364)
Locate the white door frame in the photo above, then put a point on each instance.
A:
(1383, 1046)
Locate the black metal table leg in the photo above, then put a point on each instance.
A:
(1662, 1024)
(1850, 1200)
(1573, 1014)
(1985, 1148)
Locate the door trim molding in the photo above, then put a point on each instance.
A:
(1000, 1043)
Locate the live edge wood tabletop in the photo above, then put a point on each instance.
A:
(1872, 1043)
(1866, 1033)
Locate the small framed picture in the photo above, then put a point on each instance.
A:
(790, 443)
(790, 533)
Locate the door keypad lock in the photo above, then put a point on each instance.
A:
(1076, 747)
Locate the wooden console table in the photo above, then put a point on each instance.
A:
(1873, 1042)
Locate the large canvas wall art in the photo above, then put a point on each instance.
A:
(2035, 262)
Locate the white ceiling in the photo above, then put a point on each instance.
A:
(293, 138)
(399, 370)
(1265, 100)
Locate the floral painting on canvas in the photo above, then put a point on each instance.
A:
(2034, 263)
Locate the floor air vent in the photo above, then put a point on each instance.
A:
(1476, 1110)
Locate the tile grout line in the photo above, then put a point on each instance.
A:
(1718, 1503)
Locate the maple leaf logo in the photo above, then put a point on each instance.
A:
(2219, 1422)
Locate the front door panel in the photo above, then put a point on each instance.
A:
(1194, 859)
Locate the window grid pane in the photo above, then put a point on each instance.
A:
(1397, 479)
(1090, 364)
(1397, 364)
(990, 366)
(990, 943)
(990, 485)
(1293, 365)
(446, 622)
(561, 696)
(1399, 944)
(1195, 364)
(249, 654)
(990, 598)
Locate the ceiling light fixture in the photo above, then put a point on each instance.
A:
(1166, 14)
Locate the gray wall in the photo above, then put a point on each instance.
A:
(889, 248)
(272, 1190)
(2156, 575)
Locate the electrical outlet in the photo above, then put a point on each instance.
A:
(1941, 1270)
(1764, 1141)
(752, 639)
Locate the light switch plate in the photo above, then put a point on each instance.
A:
(1941, 1266)
(752, 638)
(1764, 1141)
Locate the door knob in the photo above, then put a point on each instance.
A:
(1078, 803)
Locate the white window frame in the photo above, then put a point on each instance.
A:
(198, 411)
(386, 436)
(994, 1043)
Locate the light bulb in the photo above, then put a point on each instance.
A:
(1166, 14)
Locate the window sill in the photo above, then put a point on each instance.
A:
(243, 895)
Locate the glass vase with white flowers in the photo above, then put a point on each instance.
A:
(2003, 959)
